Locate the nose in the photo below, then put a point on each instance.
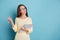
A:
(21, 11)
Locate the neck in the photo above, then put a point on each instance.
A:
(23, 16)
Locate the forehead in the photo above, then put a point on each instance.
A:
(21, 7)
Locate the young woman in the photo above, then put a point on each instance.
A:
(23, 24)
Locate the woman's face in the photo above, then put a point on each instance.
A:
(22, 10)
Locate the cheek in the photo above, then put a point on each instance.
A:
(25, 11)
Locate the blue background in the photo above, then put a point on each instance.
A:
(44, 13)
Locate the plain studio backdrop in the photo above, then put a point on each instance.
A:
(44, 13)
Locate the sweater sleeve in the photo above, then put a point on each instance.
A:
(30, 29)
(15, 26)
(18, 25)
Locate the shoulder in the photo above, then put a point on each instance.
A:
(16, 18)
(29, 18)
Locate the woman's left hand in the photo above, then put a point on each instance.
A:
(22, 28)
(25, 29)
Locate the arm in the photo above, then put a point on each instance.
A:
(14, 26)
(29, 30)
(29, 27)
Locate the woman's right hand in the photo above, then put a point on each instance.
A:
(10, 19)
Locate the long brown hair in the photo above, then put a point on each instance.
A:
(18, 9)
